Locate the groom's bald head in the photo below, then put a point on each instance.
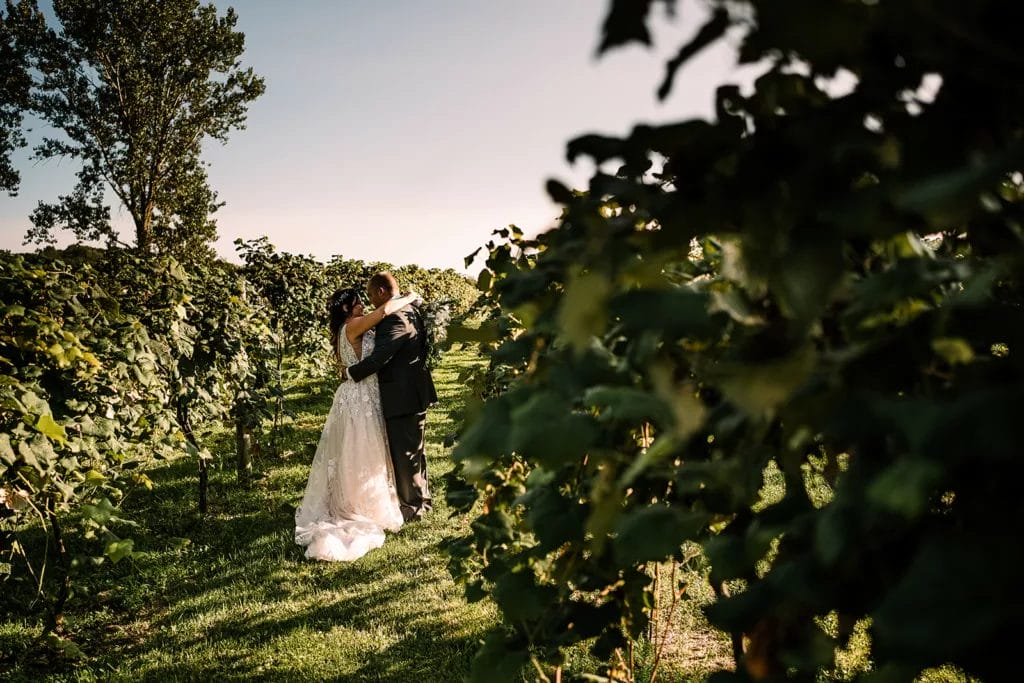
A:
(381, 287)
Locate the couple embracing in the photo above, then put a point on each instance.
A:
(369, 472)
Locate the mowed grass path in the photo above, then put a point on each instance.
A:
(240, 602)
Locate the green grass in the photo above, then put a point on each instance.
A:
(240, 602)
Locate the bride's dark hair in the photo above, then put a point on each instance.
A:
(340, 307)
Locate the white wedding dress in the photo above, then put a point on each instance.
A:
(350, 498)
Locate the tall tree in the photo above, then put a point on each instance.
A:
(135, 86)
(14, 89)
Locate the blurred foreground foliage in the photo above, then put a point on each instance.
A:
(825, 277)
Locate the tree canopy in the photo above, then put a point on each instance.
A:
(14, 89)
(134, 87)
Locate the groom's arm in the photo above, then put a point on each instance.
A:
(390, 334)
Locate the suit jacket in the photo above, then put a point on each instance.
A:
(400, 360)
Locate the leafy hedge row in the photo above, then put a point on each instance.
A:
(109, 360)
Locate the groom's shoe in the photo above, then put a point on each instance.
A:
(416, 515)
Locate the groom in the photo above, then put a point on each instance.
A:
(406, 389)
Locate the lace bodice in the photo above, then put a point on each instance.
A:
(359, 397)
(348, 354)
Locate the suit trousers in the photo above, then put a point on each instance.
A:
(405, 439)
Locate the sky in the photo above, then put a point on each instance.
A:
(408, 131)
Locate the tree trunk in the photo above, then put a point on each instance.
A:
(204, 487)
(144, 229)
(186, 429)
(55, 622)
(243, 452)
(278, 404)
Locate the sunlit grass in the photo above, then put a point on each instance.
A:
(240, 602)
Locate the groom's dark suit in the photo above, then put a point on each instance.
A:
(406, 389)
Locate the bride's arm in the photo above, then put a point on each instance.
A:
(357, 326)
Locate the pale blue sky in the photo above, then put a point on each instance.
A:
(406, 131)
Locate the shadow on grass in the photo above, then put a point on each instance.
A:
(240, 602)
(255, 593)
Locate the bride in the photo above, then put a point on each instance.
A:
(350, 497)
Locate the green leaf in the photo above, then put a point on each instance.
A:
(907, 279)
(628, 405)
(101, 513)
(835, 531)
(906, 487)
(710, 32)
(545, 429)
(933, 614)
(662, 448)
(498, 661)
(583, 313)
(45, 425)
(57, 351)
(520, 598)
(654, 533)
(559, 193)
(179, 544)
(28, 455)
(483, 440)
(953, 350)
(34, 403)
(675, 312)
(555, 519)
(475, 591)
(483, 281)
(758, 389)
(66, 647)
(805, 282)
(945, 197)
(118, 550)
(728, 556)
(7, 454)
(600, 148)
(494, 527)
(626, 22)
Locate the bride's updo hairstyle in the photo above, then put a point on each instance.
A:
(340, 307)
